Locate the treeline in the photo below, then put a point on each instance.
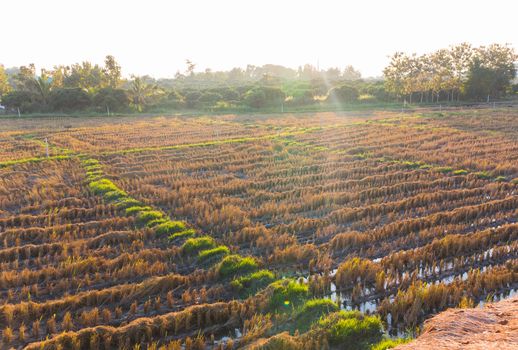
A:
(459, 72)
(91, 87)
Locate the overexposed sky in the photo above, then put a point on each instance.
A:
(155, 37)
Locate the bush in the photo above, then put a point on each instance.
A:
(114, 195)
(312, 311)
(281, 341)
(137, 209)
(182, 234)
(69, 99)
(233, 265)
(483, 175)
(389, 343)
(194, 245)
(287, 292)
(144, 217)
(253, 282)
(210, 254)
(344, 93)
(262, 96)
(156, 222)
(26, 101)
(444, 169)
(90, 162)
(352, 328)
(127, 202)
(116, 100)
(170, 227)
(103, 186)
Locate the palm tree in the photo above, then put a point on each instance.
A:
(42, 86)
(141, 93)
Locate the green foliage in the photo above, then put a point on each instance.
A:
(114, 195)
(264, 96)
(90, 162)
(194, 245)
(233, 265)
(103, 186)
(343, 94)
(156, 222)
(30, 160)
(253, 282)
(350, 328)
(486, 80)
(444, 169)
(460, 172)
(281, 341)
(287, 292)
(114, 100)
(312, 311)
(483, 175)
(389, 343)
(137, 209)
(66, 100)
(26, 101)
(170, 227)
(128, 202)
(182, 234)
(144, 217)
(212, 254)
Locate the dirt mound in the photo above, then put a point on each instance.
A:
(493, 327)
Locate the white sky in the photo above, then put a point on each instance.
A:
(156, 36)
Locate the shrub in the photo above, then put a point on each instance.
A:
(193, 245)
(389, 343)
(156, 222)
(73, 99)
(115, 99)
(312, 311)
(444, 169)
(137, 209)
(350, 327)
(282, 341)
(287, 292)
(182, 234)
(232, 265)
(209, 254)
(103, 186)
(253, 282)
(500, 179)
(483, 175)
(90, 162)
(344, 93)
(144, 217)
(170, 227)
(127, 202)
(114, 195)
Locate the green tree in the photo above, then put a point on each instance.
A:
(5, 87)
(113, 71)
(42, 87)
(491, 72)
(69, 99)
(113, 100)
(86, 76)
(142, 93)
